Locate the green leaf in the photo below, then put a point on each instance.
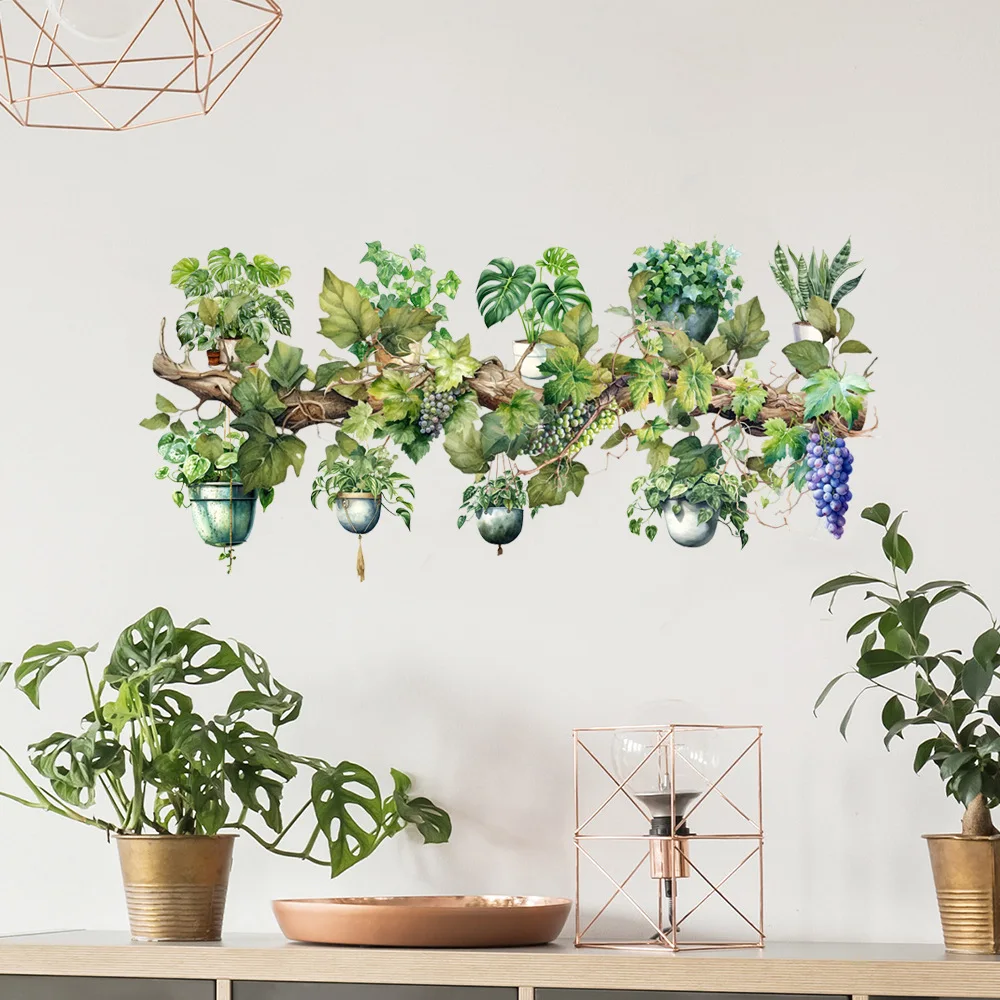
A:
(255, 392)
(571, 377)
(911, 612)
(551, 485)
(578, 328)
(265, 461)
(782, 441)
(465, 450)
(349, 318)
(156, 422)
(163, 405)
(840, 582)
(502, 289)
(404, 326)
(362, 422)
(555, 303)
(646, 382)
(183, 270)
(829, 687)
(677, 347)
(39, 661)
(807, 356)
(452, 362)
(877, 662)
(521, 412)
(896, 548)
(432, 822)
(892, 713)
(985, 648)
(862, 623)
(879, 513)
(748, 398)
(464, 414)
(976, 679)
(249, 351)
(828, 391)
(349, 810)
(822, 316)
(399, 401)
(694, 384)
(854, 347)
(745, 333)
(558, 261)
(285, 365)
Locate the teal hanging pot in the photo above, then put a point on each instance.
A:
(500, 526)
(223, 513)
(697, 322)
(358, 512)
(686, 524)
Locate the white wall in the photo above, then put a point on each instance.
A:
(483, 129)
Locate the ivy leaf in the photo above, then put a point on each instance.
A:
(465, 450)
(749, 396)
(249, 351)
(265, 461)
(571, 377)
(828, 391)
(646, 382)
(782, 441)
(694, 384)
(255, 392)
(522, 411)
(349, 317)
(399, 401)
(448, 285)
(550, 486)
(362, 422)
(285, 365)
(335, 371)
(745, 333)
(452, 362)
(807, 356)
(578, 328)
(403, 326)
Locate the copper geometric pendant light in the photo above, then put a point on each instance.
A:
(112, 65)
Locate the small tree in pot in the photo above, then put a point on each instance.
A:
(953, 697)
(176, 786)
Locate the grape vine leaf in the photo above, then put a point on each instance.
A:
(265, 461)
(452, 362)
(334, 371)
(694, 384)
(827, 390)
(745, 333)
(522, 411)
(399, 401)
(807, 356)
(646, 382)
(749, 397)
(495, 440)
(349, 318)
(403, 326)
(362, 422)
(285, 365)
(578, 328)
(572, 377)
(255, 392)
(464, 414)
(465, 450)
(677, 347)
(551, 485)
(782, 441)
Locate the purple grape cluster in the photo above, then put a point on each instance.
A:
(830, 464)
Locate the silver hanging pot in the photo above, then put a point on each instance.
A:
(683, 525)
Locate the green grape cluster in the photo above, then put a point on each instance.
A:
(559, 427)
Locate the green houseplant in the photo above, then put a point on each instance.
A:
(148, 768)
(954, 699)
(813, 278)
(688, 286)
(692, 493)
(498, 504)
(540, 295)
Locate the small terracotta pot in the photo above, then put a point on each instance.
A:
(175, 886)
(967, 879)
(214, 358)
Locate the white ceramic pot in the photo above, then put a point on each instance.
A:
(806, 331)
(684, 527)
(529, 369)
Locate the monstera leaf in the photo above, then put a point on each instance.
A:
(553, 303)
(558, 261)
(503, 289)
(349, 811)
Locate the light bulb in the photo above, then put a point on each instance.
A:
(101, 20)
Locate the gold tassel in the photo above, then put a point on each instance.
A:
(361, 562)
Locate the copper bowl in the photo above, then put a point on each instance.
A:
(424, 921)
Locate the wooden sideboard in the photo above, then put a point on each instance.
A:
(86, 965)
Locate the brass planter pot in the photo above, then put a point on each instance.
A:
(175, 887)
(967, 879)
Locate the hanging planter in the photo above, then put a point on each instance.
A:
(358, 483)
(498, 504)
(687, 524)
(223, 513)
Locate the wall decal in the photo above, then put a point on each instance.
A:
(677, 385)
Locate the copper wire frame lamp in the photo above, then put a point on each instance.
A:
(668, 858)
(117, 65)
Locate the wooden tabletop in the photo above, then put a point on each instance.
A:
(836, 969)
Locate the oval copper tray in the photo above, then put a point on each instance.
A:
(424, 921)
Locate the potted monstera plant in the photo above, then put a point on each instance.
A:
(687, 286)
(953, 700)
(692, 493)
(540, 295)
(358, 482)
(174, 786)
(498, 505)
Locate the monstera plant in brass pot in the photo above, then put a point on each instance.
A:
(954, 700)
(175, 787)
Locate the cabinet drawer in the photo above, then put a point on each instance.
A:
(366, 991)
(552, 994)
(87, 988)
